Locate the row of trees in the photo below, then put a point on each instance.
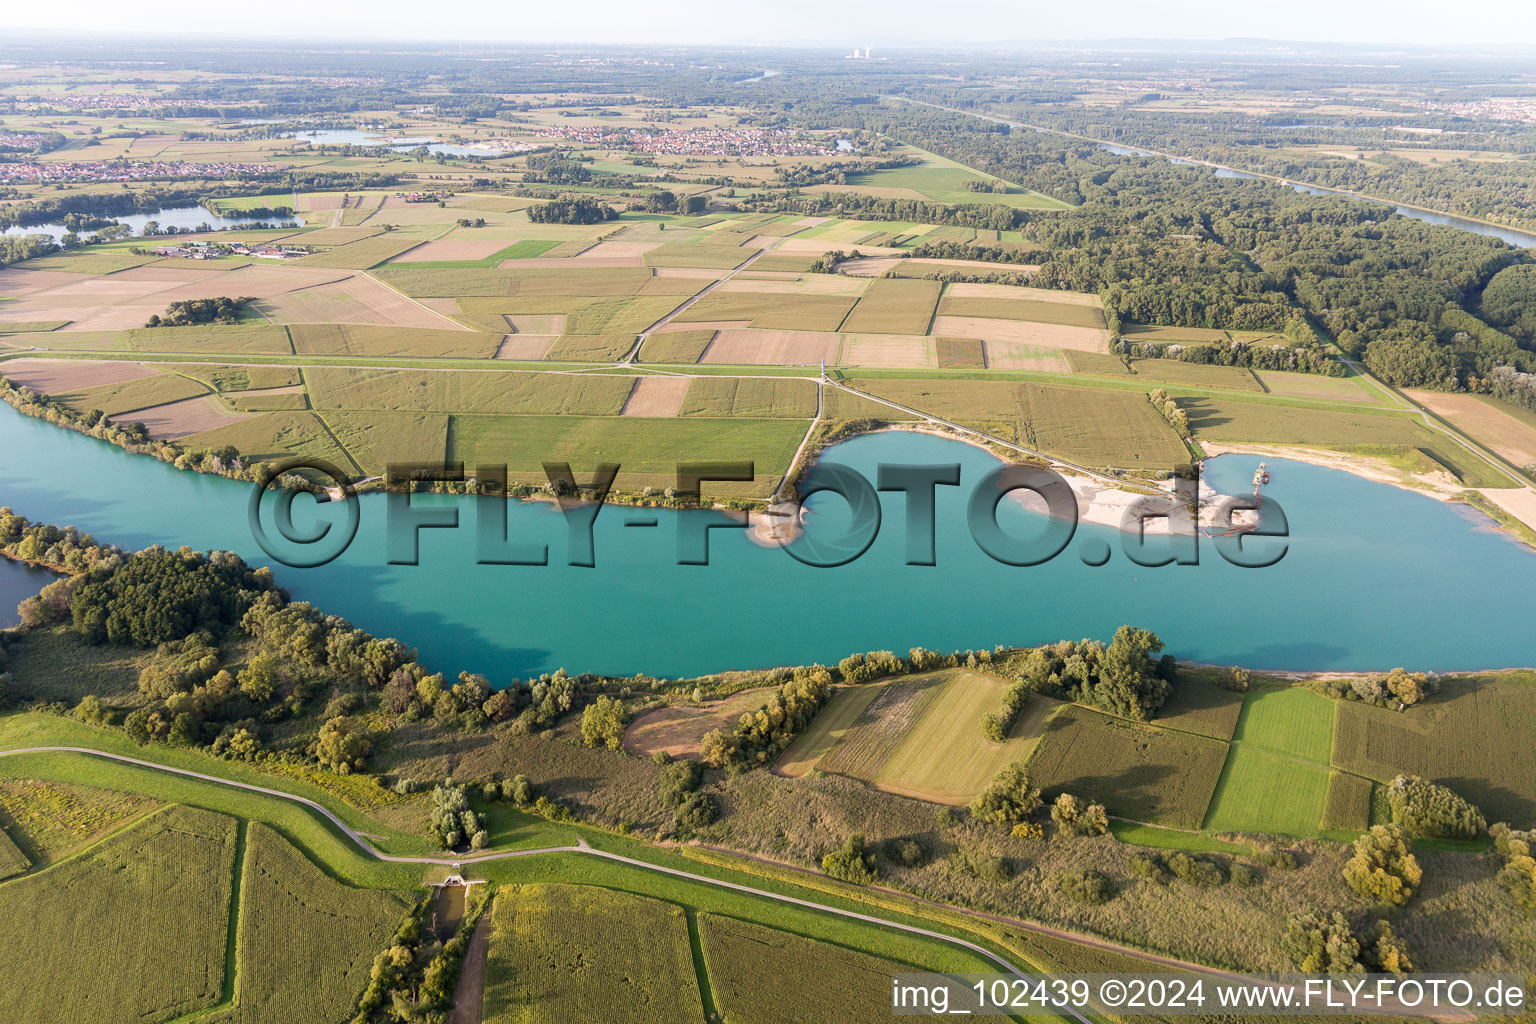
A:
(760, 736)
(1398, 688)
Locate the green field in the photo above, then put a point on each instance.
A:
(750, 397)
(675, 346)
(1091, 426)
(944, 181)
(1276, 778)
(1289, 720)
(1262, 791)
(1198, 705)
(944, 757)
(47, 821)
(466, 391)
(748, 965)
(868, 745)
(1474, 736)
(919, 736)
(826, 730)
(1141, 772)
(376, 439)
(1198, 375)
(648, 449)
(306, 941)
(372, 340)
(275, 435)
(558, 953)
(362, 254)
(129, 395)
(894, 306)
(236, 378)
(1349, 803)
(150, 904)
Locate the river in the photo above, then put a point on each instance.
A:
(171, 217)
(1375, 576)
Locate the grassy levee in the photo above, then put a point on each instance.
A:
(1026, 947)
(319, 840)
(338, 858)
(38, 730)
(923, 952)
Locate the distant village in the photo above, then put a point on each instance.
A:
(695, 141)
(124, 170)
(213, 250)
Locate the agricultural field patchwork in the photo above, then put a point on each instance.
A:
(1141, 772)
(1471, 736)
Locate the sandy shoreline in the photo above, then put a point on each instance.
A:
(1517, 502)
(1098, 502)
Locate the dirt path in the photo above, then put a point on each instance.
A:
(738, 268)
(469, 993)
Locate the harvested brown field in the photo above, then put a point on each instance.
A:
(1011, 355)
(678, 730)
(1501, 427)
(55, 375)
(656, 396)
(355, 299)
(525, 346)
(1080, 339)
(751, 398)
(771, 348)
(180, 419)
(889, 350)
(452, 249)
(15, 283)
(114, 318)
(694, 273)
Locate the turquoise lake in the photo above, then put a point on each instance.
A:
(1374, 576)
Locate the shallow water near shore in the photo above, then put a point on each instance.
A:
(1374, 576)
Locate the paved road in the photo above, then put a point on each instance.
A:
(579, 847)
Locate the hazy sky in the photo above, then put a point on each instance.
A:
(830, 22)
